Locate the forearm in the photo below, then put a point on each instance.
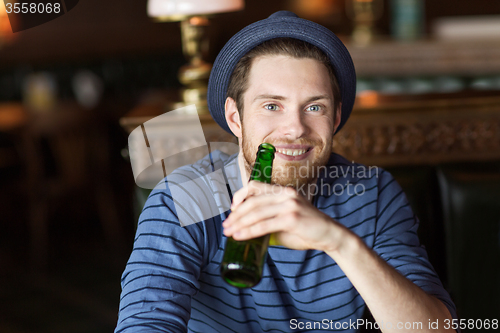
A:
(390, 296)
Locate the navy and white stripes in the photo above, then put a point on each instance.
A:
(172, 281)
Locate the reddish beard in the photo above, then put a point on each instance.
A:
(290, 173)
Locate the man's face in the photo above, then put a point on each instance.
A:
(289, 103)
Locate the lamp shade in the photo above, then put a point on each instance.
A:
(179, 8)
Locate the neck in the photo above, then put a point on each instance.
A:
(241, 164)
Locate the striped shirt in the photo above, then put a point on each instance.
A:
(172, 280)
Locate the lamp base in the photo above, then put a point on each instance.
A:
(201, 108)
(363, 35)
(189, 96)
(195, 73)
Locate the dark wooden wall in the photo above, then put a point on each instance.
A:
(97, 29)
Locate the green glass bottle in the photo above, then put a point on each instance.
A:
(243, 261)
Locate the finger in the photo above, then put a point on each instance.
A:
(281, 238)
(278, 224)
(252, 188)
(253, 217)
(256, 203)
(255, 188)
(259, 229)
(251, 204)
(239, 196)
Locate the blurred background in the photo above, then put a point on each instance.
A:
(72, 89)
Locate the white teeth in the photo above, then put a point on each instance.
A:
(292, 152)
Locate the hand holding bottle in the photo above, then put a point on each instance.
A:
(260, 209)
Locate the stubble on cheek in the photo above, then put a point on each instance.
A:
(248, 159)
(294, 174)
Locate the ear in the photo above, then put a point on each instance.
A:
(337, 118)
(233, 117)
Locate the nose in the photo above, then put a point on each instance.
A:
(293, 124)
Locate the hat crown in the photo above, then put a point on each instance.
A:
(282, 13)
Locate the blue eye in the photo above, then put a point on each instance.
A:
(271, 107)
(314, 108)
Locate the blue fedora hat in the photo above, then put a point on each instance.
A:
(280, 24)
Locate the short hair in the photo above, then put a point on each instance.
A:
(238, 83)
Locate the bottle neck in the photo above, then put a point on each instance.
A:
(263, 167)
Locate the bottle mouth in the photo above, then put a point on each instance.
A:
(266, 150)
(266, 146)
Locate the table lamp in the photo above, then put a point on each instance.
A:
(193, 15)
(6, 33)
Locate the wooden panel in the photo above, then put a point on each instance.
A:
(429, 132)
(471, 58)
(396, 131)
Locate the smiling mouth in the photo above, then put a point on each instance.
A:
(292, 152)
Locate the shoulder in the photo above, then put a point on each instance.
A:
(214, 161)
(374, 191)
(340, 174)
(194, 192)
(339, 169)
(354, 193)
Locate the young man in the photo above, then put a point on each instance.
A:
(347, 238)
